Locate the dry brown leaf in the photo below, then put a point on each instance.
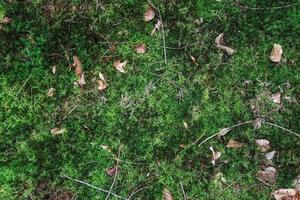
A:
(234, 144)
(6, 20)
(167, 195)
(263, 144)
(215, 155)
(112, 171)
(102, 85)
(57, 131)
(81, 82)
(267, 176)
(223, 132)
(141, 48)
(120, 65)
(276, 98)
(156, 27)
(276, 53)
(149, 14)
(219, 44)
(78, 67)
(270, 155)
(285, 194)
(50, 92)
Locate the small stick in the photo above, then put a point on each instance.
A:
(183, 192)
(92, 186)
(236, 125)
(277, 126)
(23, 85)
(115, 175)
(162, 30)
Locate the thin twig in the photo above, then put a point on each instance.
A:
(162, 30)
(23, 85)
(183, 192)
(92, 186)
(267, 8)
(277, 126)
(115, 175)
(214, 135)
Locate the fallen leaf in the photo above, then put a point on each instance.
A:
(149, 14)
(6, 20)
(198, 21)
(234, 144)
(219, 44)
(223, 132)
(167, 195)
(53, 68)
(276, 98)
(77, 65)
(141, 48)
(267, 176)
(263, 144)
(257, 123)
(156, 27)
(102, 85)
(297, 183)
(285, 194)
(270, 155)
(112, 171)
(57, 131)
(50, 92)
(276, 53)
(120, 65)
(193, 60)
(182, 146)
(81, 82)
(106, 148)
(215, 155)
(185, 125)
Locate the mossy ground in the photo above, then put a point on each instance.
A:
(144, 109)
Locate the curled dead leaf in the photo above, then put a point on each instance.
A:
(167, 195)
(6, 20)
(78, 67)
(270, 155)
(263, 144)
(267, 176)
(219, 42)
(81, 82)
(141, 48)
(234, 144)
(112, 171)
(57, 131)
(120, 65)
(215, 155)
(276, 53)
(50, 92)
(276, 98)
(156, 27)
(285, 194)
(149, 14)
